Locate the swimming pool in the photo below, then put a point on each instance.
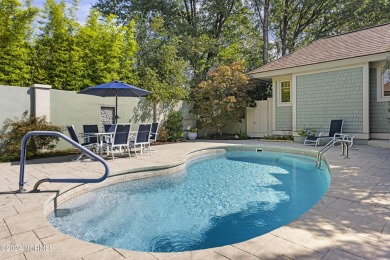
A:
(218, 200)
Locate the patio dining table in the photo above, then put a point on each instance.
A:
(101, 137)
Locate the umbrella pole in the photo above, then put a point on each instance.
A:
(116, 107)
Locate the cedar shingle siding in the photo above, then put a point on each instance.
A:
(324, 96)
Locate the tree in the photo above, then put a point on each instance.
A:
(127, 10)
(72, 57)
(127, 70)
(221, 33)
(57, 60)
(108, 50)
(15, 48)
(262, 10)
(358, 14)
(240, 41)
(265, 30)
(258, 90)
(221, 98)
(206, 34)
(298, 22)
(160, 68)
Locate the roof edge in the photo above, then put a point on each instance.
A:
(305, 46)
(321, 63)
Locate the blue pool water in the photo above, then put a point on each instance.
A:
(217, 200)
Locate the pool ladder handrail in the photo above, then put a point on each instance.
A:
(70, 180)
(344, 145)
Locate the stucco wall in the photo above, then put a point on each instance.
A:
(324, 96)
(69, 108)
(283, 118)
(14, 101)
(378, 110)
(236, 127)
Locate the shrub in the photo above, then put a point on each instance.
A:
(241, 135)
(163, 136)
(14, 130)
(279, 137)
(174, 126)
(306, 132)
(221, 98)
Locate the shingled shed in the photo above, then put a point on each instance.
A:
(338, 77)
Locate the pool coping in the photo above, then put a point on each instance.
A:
(351, 226)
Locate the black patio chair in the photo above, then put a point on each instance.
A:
(120, 139)
(109, 128)
(142, 138)
(73, 135)
(90, 129)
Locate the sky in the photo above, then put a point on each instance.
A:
(82, 13)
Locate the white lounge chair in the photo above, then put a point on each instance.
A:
(336, 127)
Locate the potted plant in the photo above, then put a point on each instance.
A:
(192, 133)
(302, 135)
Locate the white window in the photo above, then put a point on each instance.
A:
(386, 84)
(284, 93)
(383, 85)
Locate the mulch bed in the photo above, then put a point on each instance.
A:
(160, 143)
(210, 137)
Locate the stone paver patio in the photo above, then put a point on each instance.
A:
(352, 221)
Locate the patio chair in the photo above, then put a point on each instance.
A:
(73, 135)
(142, 138)
(108, 128)
(153, 134)
(120, 139)
(90, 129)
(336, 128)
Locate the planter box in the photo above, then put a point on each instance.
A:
(299, 139)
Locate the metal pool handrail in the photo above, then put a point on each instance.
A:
(345, 150)
(71, 180)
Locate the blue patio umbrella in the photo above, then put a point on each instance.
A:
(115, 89)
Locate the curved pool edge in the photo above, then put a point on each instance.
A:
(75, 190)
(242, 155)
(72, 191)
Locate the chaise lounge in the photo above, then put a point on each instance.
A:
(336, 128)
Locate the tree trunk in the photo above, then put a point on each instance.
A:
(265, 31)
(284, 27)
